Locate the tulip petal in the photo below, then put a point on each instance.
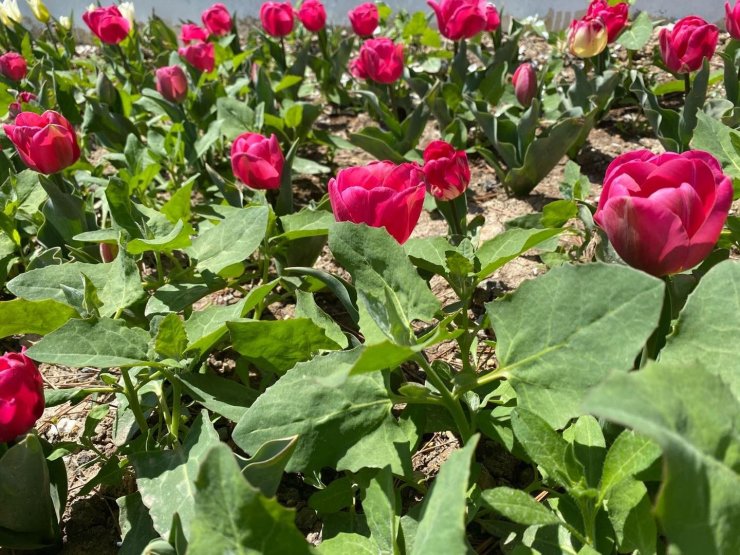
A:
(704, 239)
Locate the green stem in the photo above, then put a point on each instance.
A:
(447, 399)
(687, 83)
(457, 224)
(133, 401)
(401, 400)
(491, 377)
(657, 340)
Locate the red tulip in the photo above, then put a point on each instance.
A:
(380, 60)
(107, 24)
(364, 19)
(192, 33)
(357, 70)
(217, 20)
(664, 213)
(13, 66)
(46, 143)
(200, 55)
(21, 395)
(614, 17)
(460, 19)
(313, 15)
(525, 84)
(690, 41)
(732, 20)
(380, 194)
(446, 170)
(257, 161)
(277, 18)
(24, 97)
(493, 20)
(172, 83)
(587, 37)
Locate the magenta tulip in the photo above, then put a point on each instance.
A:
(380, 60)
(13, 66)
(200, 55)
(193, 33)
(446, 170)
(217, 20)
(257, 161)
(493, 19)
(664, 213)
(460, 19)
(614, 17)
(277, 18)
(172, 83)
(46, 143)
(21, 395)
(684, 47)
(107, 24)
(313, 15)
(732, 19)
(364, 19)
(525, 84)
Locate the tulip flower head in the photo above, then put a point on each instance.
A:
(21, 395)
(525, 84)
(493, 19)
(65, 22)
(364, 19)
(172, 83)
(190, 32)
(200, 55)
(732, 19)
(380, 60)
(664, 213)
(46, 142)
(587, 37)
(39, 11)
(277, 18)
(13, 66)
(312, 15)
(685, 46)
(108, 24)
(217, 20)
(257, 160)
(614, 17)
(446, 170)
(460, 19)
(128, 11)
(10, 13)
(24, 97)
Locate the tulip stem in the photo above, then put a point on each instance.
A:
(458, 227)
(133, 401)
(285, 56)
(687, 82)
(657, 340)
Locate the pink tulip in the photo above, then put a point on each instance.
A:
(217, 20)
(15, 108)
(313, 15)
(525, 84)
(46, 143)
(664, 213)
(13, 66)
(257, 161)
(172, 83)
(732, 20)
(364, 19)
(107, 24)
(614, 17)
(690, 41)
(200, 55)
(380, 194)
(446, 170)
(193, 33)
(277, 18)
(587, 37)
(460, 19)
(493, 20)
(21, 395)
(380, 60)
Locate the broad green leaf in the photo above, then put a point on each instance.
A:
(629, 454)
(177, 238)
(166, 479)
(21, 316)
(442, 526)
(56, 397)
(47, 282)
(235, 238)
(171, 340)
(265, 469)
(175, 297)
(346, 543)
(699, 502)
(561, 334)
(716, 138)
(588, 446)
(236, 116)
(508, 245)
(518, 506)
(233, 517)
(306, 307)
(277, 345)
(123, 287)
(379, 507)
(429, 253)
(637, 35)
(631, 515)
(103, 344)
(223, 396)
(137, 529)
(306, 223)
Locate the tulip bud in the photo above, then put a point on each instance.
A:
(364, 19)
(172, 83)
(217, 20)
(684, 47)
(15, 108)
(525, 84)
(460, 19)
(313, 15)
(380, 194)
(732, 19)
(108, 252)
(65, 22)
(200, 55)
(13, 66)
(277, 18)
(257, 161)
(10, 13)
(128, 11)
(21, 395)
(380, 60)
(587, 37)
(493, 20)
(108, 24)
(46, 142)
(39, 10)
(446, 170)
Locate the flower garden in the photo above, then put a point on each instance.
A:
(433, 283)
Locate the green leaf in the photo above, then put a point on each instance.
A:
(166, 479)
(235, 238)
(518, 506)
(265, 469)
(345, 543)
(233, 517)
(637, 35)
(177, 238)
(235, 115)
(137, 529)
(561, 334)
(21, 316)
(379, 507)
(588, 446)
(123, 287)
(700, 446)
(442, 526)
(106, 343)
(49, 282)
(223, 396)
(508, 245)
(306, 223)
(716, 138)
(171, 340)
(306, 307)
(631, 515)
(629, 454)
(429, 253)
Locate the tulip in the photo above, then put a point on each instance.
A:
(587, 37)
(46, 143)
(525, 84)
(16, 107)
(193, 33)
(200, 55)
(614, 17)
(21, 395)
(685, 46)
(460, 19)
(277, 18)
(217, 20)
(172, 83)
(313, 15)
(108, 24)
(257, 161)
(128, 11)
(13, 66)
(65, 22)
(732, 20)
(493, 20)
(380, 194)
(381, 60)
(108, 252)
(446, 170)
(357, 70)
(364, 19)
(10, 13)
(664, 213)
(39, 10)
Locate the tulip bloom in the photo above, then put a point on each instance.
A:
(39, 10)
(10, 13)
(313, 15)
(217, 20)
(614, 17)
(493, 20)
(380, 194)
(587, 37)
(525, 84)
(732, 20)
(172, 83)
(201, 55)
(21, 395)
(108, 24)
(685, 46)
(460, 19)
(13, 66)
(257, 161)
(193, 33)
(380, 60)
(664, 213)
(46, 143)
(364, 19)
(277, 18)
(446, 170)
